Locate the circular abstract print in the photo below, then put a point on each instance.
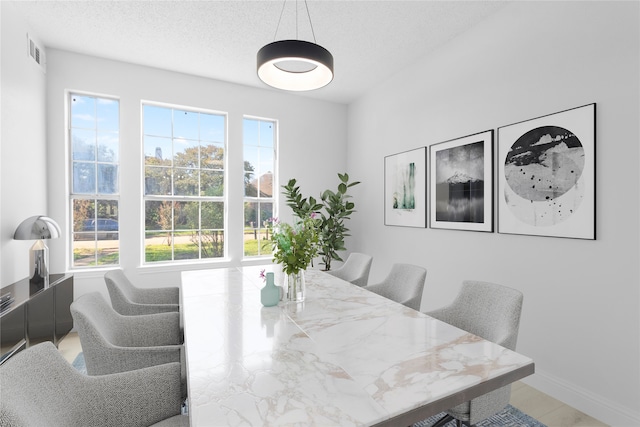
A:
(543, 170)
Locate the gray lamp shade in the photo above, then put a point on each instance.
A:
(36, 228)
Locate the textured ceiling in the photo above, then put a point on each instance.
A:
(370, 40)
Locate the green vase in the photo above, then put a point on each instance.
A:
(270, 294)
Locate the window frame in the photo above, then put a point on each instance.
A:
(275, 185)
(97, 196)
(183, 198)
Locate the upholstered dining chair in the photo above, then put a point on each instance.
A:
(492, 312)
(355, 269)
(130, 300)
(40, 388)
(403, 284)
(112, 342)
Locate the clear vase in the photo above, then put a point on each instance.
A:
(295, 286)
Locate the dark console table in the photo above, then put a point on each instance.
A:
(37, 314)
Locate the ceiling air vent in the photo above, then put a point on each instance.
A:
(36, 53)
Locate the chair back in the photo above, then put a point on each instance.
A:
(492, 312)
(488, 310)
(40, 388)
(403, 284)
(355, 269)
(121, 290)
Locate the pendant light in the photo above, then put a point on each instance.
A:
(295, 65)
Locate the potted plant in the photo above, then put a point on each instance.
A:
(294, 247)
(334, 209)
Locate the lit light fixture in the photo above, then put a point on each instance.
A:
(38, 228)
(295, 65)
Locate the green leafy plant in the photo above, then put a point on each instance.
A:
(334, 209)
(294, 246)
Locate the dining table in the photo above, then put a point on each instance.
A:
(344, 356)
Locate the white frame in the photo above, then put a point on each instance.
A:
(417, 216)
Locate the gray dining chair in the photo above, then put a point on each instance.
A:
(112, 342)
(403, 284)
(40, 388)
(492, 312)
(355, 269)
(130, 300)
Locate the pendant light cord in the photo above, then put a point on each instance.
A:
(310, 23)
(308, 16)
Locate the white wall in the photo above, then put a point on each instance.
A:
(23, 143)
(312, 148)
(580, 319)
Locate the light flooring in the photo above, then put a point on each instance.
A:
(544, 408)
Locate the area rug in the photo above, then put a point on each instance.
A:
(78, 363)
(510, 417)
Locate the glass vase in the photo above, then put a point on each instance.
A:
(295, 286)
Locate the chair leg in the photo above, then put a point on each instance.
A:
(444, 420)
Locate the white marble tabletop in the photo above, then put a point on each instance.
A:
(343, 357)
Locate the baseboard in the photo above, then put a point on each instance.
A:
(596, 406)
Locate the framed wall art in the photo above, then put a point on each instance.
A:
(461, 183)
(405, 188)
(546, 175)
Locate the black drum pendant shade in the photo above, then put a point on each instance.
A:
(295, 65)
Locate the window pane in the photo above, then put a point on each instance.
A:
(250, 129)
(108, 252)
(186, 153)
(84, 178)
(251, 158)
(83, 215)
(212, 127)
(157, 181)
(212, 243)
(185, 125)
(83, 112)
(107, 218)
(266, 134)
(212, 183)
(158, 151)
(84, 250)
(187, 216)
(185, 182)
(212, 215)
(265, 185)
(107, 179)
(186, 245)
(108, 111)
(158, 215)
(266, 213)
(83, 144)
(158, 247)
(266, 160)
(108, 147)
(157, 121)
(212, 156)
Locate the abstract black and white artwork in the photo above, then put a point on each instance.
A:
(405, 194)
(547, 175)
(461, 177)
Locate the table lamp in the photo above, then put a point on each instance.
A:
(38, 228)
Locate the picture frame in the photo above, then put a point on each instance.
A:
(405, 188)
(547, 175)
(461, 183)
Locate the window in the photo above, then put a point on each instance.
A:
(94, 145)
(259, 165)
(184, 191)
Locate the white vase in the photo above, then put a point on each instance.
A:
(295, 286)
